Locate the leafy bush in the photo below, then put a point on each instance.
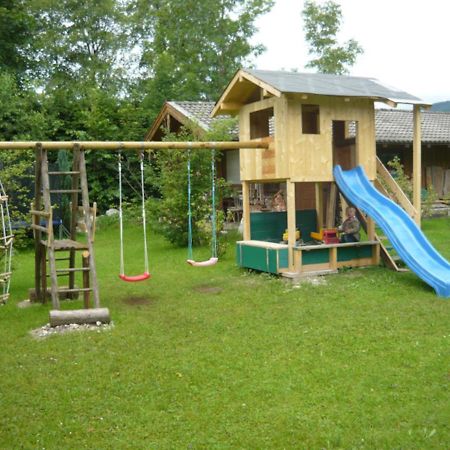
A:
(172, 209)
(398, 172)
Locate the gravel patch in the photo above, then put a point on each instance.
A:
(47, 330)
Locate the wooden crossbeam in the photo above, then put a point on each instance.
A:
(130, 145)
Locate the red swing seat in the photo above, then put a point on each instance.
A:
(134, 278)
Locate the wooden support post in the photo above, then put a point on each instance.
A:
(333, 258)
(246, 209)
(37, 234)
(85, 265)
(331, 206)
(50, 236)
(298, 261)
(43, 292)
(344, 206)
(291, 223)
(370, 229)
(87, 218)
(319, 205)
(417, 163)
(376, 255)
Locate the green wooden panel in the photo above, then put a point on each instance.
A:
(270, 226)
(252, 257)
(348, 253)
(283, 257)
(306, 221)
(319, 256)
(260, 258)
(272, 267)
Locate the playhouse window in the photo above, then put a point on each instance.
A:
(261, 123)
(310, 119)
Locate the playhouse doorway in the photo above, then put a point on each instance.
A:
(344, 142)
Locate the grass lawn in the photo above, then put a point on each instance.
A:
(220, 358)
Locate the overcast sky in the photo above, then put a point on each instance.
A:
(406, 43)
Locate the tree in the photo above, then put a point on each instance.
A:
(16, 37)
(82, 43)
(172, 209)
(192, 48)
(322, 23)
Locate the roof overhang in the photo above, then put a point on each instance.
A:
(238, 91)
(276, 83)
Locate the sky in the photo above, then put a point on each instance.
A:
(406, 43)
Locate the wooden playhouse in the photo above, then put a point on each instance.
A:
(312, 123)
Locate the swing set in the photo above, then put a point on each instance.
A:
(47, 246)
(146, 274)
(214, 259)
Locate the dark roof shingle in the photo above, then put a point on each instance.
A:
(397, 126)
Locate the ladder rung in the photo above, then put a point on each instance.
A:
(63, 258)
(67, 172)
(6, 237)
(39, 228)
(73, 269)
(59, 275)
(40, 213)
(3, 198)
(75, 290)
(64, 191)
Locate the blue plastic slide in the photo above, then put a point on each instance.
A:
(403, 233)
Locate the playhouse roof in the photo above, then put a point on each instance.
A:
(276, 83)
(391, 125)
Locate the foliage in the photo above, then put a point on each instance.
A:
(82, 43)
(17, 28)
(398, 172)
(322, 24)
(173, 207)
(103, 69)
(220, 358)
(429, 198)
(192, 56)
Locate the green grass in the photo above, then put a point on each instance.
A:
(219, 358)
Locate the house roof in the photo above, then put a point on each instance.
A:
(397, 126)
(391, 125)
(184, 112)
(281, 82)
(199, 112)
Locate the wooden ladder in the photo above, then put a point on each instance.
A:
(47, 247)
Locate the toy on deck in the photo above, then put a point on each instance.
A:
(146, 274)
(326, 235)
(286, 236)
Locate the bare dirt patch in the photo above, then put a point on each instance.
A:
(208, 289)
